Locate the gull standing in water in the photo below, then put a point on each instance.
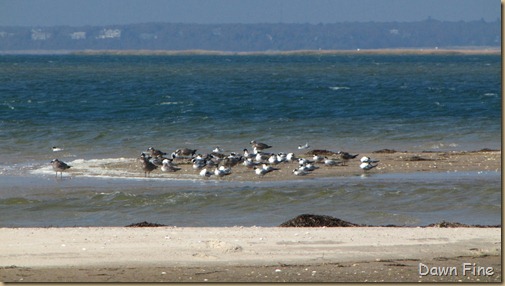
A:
(147, 166)
(59, 166)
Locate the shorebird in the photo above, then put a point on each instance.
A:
(249, 163)
(273, 159)
(57, 149)
(366, 159)
(299, 172)
(301, 147)
(168, 167)
(260, 146)
(317, 158)
(303, 161)
(217, 150)
(59, 166)
(330, 162)
(260, 171)
(205, 173)
(346, 156)
(308, 167)
(147, 166)
(367, 166)
(155, 153)
(222, 171)
(185, 152)
(290, 157)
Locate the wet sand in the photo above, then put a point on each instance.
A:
(391, 162)
(248, 254)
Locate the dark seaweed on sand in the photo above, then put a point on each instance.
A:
(145, 224)
(310, 220)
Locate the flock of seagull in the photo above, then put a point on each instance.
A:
(219, 164)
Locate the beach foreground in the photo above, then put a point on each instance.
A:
(248, 254)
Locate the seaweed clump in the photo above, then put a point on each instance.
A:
(310, 220)
(145, 224)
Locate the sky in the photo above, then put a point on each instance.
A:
(109, 12)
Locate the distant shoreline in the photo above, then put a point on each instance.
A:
(413, 51)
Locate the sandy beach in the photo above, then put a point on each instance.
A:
(245, 254)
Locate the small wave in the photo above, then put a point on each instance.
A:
(339, 87)
(170, 103)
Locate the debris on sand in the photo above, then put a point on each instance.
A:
(310, 220)
(145, 224)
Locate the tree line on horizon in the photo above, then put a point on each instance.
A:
(429, 33)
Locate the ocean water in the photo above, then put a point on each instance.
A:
(107, 109)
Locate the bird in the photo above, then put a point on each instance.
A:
(222, 171)
(205, 173)
(199, 163)
(330, 162)
(260, 146)
(168, 167)
(155, 152)
(366, 159)
(317, 158)
(300, 172)
(303, 161)
(217, 150)
(185, 152)
(290, 157)
(260, 171)
(147, 166)
(59, 166)
(57, 149)
(346, 156)
(249, 163)
(367, 166)
(273, 159)
(308, 167)
(301, 147)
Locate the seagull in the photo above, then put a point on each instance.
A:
(222, 171)
(301, 147)
(59, 166)
(290, 157)
(366, 159)
(155, 153)
(282, 157)
(303, 161)
(300, 172)
(168, 167)
(199, 163)
(217, 150)
(308, 167)
(260, 171)
(330, 162)
(57, 149)
(185, 152)
(269, 168)
(249, 163)
(367, 166)
(317, 158)
(247, 154)
(346, 156)
(260, 146)
(273, 159)
(147, 166)
(205, 173)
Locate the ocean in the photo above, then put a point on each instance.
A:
(107, 109)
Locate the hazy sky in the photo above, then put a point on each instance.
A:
(107, 12)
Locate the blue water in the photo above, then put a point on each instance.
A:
(106, 107)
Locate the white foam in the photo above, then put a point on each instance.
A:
(339, 87)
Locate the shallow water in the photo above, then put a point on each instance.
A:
(110, 108)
